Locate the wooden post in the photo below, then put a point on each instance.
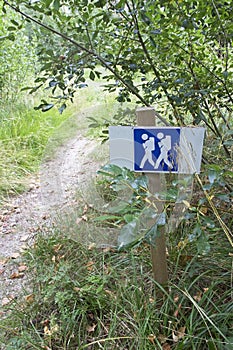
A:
(146, 118)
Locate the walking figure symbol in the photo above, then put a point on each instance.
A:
(164, 145)
(149, 147)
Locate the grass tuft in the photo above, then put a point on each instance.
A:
(24, 134)
(89, 298)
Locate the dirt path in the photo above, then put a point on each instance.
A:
(50, 192)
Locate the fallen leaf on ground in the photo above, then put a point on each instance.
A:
(15, 255)
(181, 332)
(24, 238)
(151, 338)
(177, 310)
(90, 265)
(176, 336)
(91, 328)
(22, 268)
(16, 275)
(47, 331)
(109, 292)
(3, 261)
(29, 298)
(7, 300)
(57, 247)
(91, 246)
(84, 217)
(50, 331)
(198, 296)
(91, 315)
(23, 248)
(85, 209)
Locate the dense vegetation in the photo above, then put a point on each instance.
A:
(177, 56)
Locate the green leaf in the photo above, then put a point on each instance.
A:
(195, 234)
(56, 5)
(208, 222)
(92, 75)
(9, 37)
(48, 3)
(14, 22)
(34, 89)
(26, 88)
(229, 173)
(11, 28)
(129, 217)
(62, 108)
(44, 107)
(152, 234)
(106, 218)
(128, 233)
(110, 170)
(47, 107)
(203, 245)
(212, 176)
(228, 143)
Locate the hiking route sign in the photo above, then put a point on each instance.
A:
(157, 149)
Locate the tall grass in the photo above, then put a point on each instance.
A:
(24, 134)
(88, 298)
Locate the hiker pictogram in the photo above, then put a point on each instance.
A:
(149, 147)
(155, 149)
(165, 146)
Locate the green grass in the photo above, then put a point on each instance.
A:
(26, 134)
(84, 297)
(93, 298)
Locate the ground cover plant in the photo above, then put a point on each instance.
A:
(89, 298)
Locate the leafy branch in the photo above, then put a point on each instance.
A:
(91, 52)
(148, 56)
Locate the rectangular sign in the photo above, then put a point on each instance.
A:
(157, 149)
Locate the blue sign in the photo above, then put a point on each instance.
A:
(155, 149)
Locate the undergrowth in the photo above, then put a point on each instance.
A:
(24, 134)
(91, 298)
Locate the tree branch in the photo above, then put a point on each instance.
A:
(91, 52)
(149, 59)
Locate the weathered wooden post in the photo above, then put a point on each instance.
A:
(146, 118)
